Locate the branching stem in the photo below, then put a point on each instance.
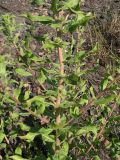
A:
(60, 86)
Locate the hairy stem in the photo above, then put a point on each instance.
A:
(58, 101)
(60, 86)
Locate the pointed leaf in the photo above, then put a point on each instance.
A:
(30, 136)
(18, 151)
(16, 157)
(23, 72)
(88, 129)
(42, 77)
(48, 138)
(63, 152)
(70, 4)
(105, 100)
(2, 135)
(41, 19)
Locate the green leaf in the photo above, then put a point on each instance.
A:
(118, 70)
(81, 20)
(45, 130)
(24, 127)
(96, 158)
(48, 138)
(42, 77)
(41, 19)
(72, 79)
(30, 136)
(87, 129)
(40, 103)
(105, 81)
(63, 152)
(45, 134)
(83, 100)
(72, 26)
(14, 115)
(66, 104)
(18, 151)
(22, 53)
(35, 99)
(105, 100)
(50, 45)
(3, 145)
(27, 94)
(79, 56)
(92, 92)
(38, 2)
(118, 100)
(76, 111)
(23, 72)
(104, 84)
(54, 5)
(41, 157)
(13, 134)
(2, 135)
(70, 4)
(2, 66)
(16, 157)
(18, 90)
(114, 118)
(95, 48)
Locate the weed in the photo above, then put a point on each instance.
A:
(48, 109)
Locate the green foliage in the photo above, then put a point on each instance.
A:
(38, 2)
(31, 85)
(42, 19)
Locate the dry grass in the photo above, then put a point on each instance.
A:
(105, 32)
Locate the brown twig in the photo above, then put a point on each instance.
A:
(102, 128)
(7, 140)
